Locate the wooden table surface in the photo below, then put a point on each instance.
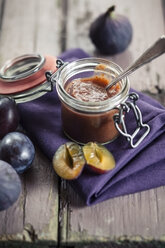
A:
(49, 213)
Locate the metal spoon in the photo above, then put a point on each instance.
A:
(151, 53)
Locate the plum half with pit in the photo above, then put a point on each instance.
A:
(68, 161)
(9, 116)
(98, 158)
(18, 150)
(10, 185)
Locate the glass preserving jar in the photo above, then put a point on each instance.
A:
(30, 76)
(96, 121)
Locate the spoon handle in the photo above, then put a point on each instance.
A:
(151, 53)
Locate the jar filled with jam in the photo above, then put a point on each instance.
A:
(89, 112)
(87, 109)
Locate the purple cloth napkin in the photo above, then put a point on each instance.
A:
(136, 169)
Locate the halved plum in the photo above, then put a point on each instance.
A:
(98, 158)
(68, 161)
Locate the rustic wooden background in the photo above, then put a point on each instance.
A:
(48, 212)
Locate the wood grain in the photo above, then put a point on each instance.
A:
(2, 2)
(34, 217)
(136, 217)
(32, 26)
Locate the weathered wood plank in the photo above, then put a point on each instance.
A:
(34, 217)
(41, 202)
(18, 29)
(163, 7)
(138, 216)
(28, 27)
(2, 2)
(126, 244)
(49, 27)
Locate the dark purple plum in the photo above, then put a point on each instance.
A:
(18, 150)
(10, 185)
(9, 116)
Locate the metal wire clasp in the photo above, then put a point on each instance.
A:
(119, 119)
(51, 77)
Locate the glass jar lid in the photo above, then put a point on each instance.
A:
(23, 78)
(21, 67)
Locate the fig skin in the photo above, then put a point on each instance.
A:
(111, 33)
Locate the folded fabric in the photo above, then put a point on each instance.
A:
(136, 169)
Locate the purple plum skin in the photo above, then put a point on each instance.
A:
(9, 116)
(18, 150)
(10, 185)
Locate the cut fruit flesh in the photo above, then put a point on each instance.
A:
(98, 157)
(69, 161)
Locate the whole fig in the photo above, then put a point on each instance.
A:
(111, 33)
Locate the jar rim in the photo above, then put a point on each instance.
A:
(21, 67)
(78, 66)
